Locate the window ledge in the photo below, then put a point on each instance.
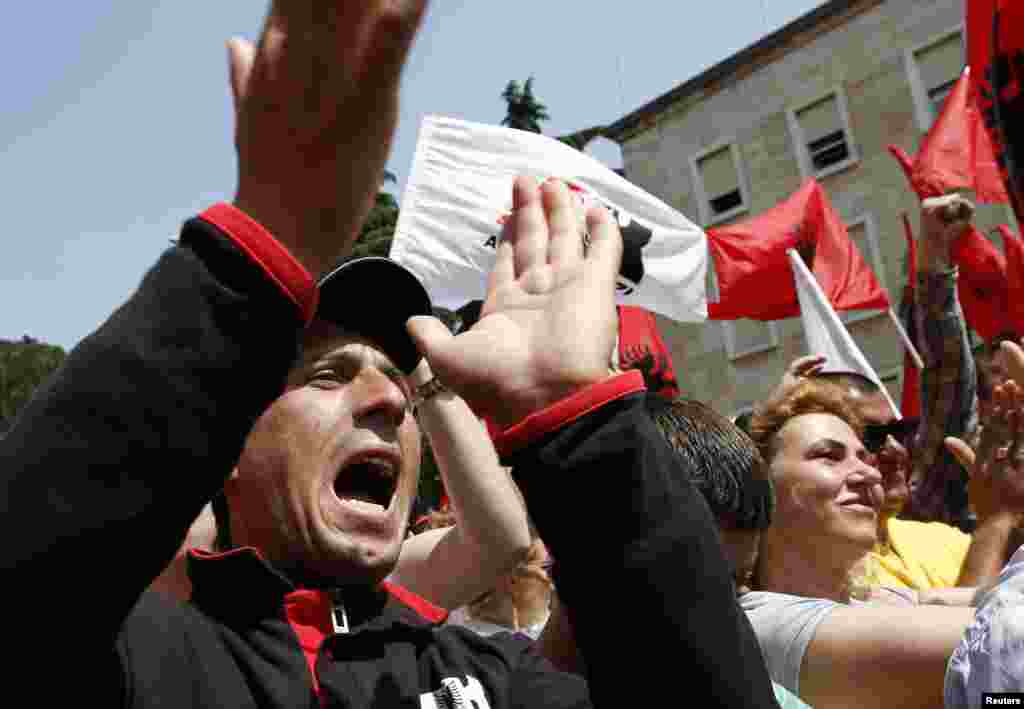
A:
(837, 168)
(734, 356)
(726, 216)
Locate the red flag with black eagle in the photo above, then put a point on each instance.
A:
(957, 152)
(755, 279)
(641, 347)
(995, 54)
(1014, 280)
(982, 286)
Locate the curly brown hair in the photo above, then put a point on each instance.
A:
(810, 396)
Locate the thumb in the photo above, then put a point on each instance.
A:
(962, 452)
(241, 56)
(431, 337)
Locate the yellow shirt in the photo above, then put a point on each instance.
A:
(920, 555)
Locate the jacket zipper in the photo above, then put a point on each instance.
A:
(339, 616)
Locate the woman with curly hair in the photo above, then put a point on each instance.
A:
(823, 632)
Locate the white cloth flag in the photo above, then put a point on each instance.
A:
(460, 193)
(824, 331)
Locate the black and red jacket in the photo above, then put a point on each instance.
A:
(106, 468)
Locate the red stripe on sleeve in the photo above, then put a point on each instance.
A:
(422, 606)
(270, 254)
(568, 410)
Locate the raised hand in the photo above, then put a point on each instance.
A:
(548, 322)
(317, 105)
(1014, 357)
(893, 462)
(943, 219)
(798, 369)
(996, 468)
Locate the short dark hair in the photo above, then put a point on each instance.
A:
(719, 459)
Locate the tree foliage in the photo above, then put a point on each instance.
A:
(523, 110)
(24, 365)
(379, 228)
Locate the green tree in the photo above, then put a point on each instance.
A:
(24, 365)
(379, 228)
(523, 111)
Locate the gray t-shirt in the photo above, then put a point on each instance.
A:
(784, 626)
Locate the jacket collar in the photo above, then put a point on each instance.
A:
(242, 581)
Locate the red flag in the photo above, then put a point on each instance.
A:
(982, 284)
(1014, 279)
(997, 72)
(755, 279)
(906, 162)
(641, 347)
(957, 152)
(910, 403)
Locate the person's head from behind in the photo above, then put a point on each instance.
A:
(327, 477)
(828, 493)
(726, 467)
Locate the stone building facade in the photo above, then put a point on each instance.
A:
(823, 96)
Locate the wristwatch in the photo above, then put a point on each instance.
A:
(427, 390)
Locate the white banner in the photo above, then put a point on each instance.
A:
(824, 331)
(460, 193)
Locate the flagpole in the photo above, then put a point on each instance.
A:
(825, 332)
(906, 341)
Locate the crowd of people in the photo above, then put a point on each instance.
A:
(212, 502)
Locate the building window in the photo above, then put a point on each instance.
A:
(864, 233)
(934, 68)
(823, 136)
(719, 183)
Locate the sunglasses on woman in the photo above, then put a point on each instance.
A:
(875, 435)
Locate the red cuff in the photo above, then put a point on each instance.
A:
(567, 410)
(267, 252)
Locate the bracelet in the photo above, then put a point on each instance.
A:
(427, 391)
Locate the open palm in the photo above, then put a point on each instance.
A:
(547, 326)
(996, 466)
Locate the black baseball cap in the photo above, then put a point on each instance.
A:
(374, 297)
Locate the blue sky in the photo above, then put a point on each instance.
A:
(116, 125)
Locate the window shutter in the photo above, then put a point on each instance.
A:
(718, 172)
(820, 119)
(941, 63)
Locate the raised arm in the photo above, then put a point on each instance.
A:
(452, 566)
(537, 363)
(996, 484)
(119, 452)
(948, 382)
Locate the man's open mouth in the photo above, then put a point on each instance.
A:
(370, 478)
